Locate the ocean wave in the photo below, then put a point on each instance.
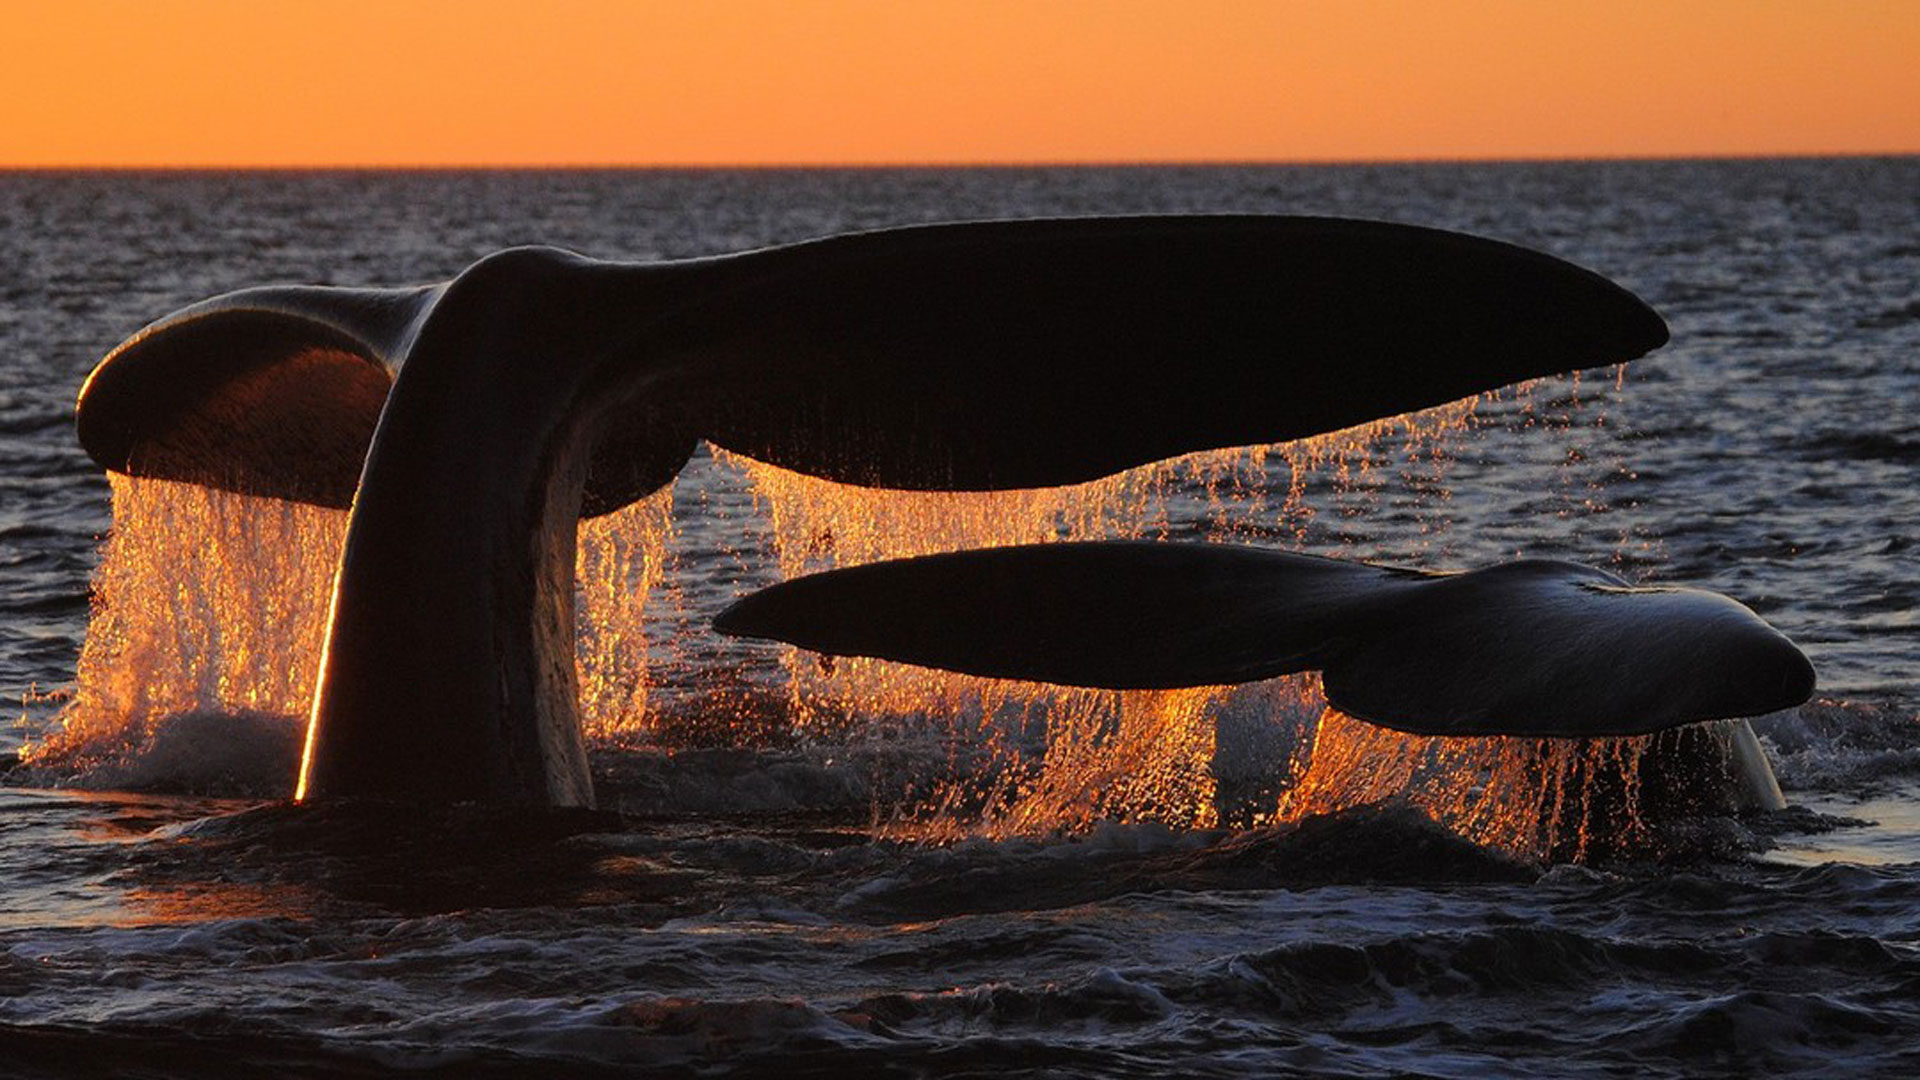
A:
(1856, 446)
(1764, 1032)
(204, 752)
(1842, 746)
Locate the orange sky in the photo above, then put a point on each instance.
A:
(298, 82)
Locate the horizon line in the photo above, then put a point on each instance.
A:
(877, 165)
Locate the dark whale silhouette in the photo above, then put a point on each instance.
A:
(1534, 647)
(468, 425)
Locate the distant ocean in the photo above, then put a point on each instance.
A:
(808, 869)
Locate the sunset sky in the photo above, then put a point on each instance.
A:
(603, 82)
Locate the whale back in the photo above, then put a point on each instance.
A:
(1542, 647)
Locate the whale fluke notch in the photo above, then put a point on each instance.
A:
(1534, 647)
(539, 386)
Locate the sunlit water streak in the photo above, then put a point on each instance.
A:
(204, 601)
(213, 604)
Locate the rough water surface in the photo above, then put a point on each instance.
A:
(806, 868)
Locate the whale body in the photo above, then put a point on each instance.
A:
(468, 425)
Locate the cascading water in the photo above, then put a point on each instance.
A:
(621, 565)
(208, 603)
(204, 602)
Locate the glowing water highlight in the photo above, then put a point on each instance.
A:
(208, 602)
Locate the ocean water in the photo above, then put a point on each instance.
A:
(801, 869)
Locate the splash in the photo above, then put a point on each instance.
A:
(1546, 799)
(204, 601)
(1007, 757)
(208, 603)
(1022, 758)
(621, 565)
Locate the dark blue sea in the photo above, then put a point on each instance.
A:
(802, 869)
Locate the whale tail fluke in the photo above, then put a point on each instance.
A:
(1528, 648)
(973, 356)
(468, 425)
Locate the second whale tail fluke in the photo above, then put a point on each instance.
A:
(1536, 647)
